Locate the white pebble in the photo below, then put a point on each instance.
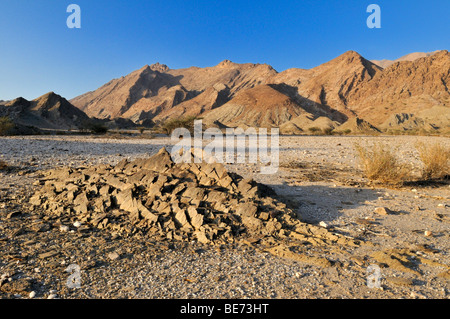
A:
(323, 224)
(64, 228)
(77, 224)
(32, 294)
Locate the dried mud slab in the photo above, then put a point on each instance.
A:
(183, 202)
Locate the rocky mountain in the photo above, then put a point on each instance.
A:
(404, 87)
(153, 90)
(328, 85)
(232, 94)
(409, 57)
(50, 111)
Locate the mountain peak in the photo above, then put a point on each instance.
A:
(159, 67)
(350, 56)
(226, 64)
(18, 101)
(49, 97)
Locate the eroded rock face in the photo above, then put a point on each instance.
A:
(176, 201)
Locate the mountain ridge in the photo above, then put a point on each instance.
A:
(343, 88)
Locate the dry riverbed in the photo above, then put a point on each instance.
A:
(319, 179)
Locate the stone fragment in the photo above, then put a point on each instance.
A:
(194, 193)
(13, 214)
(35, 200)
(201, 237)
(196, 218)
(246, 209)
(252, 224)
(113, 256)
(383, 211)
(181, 218)
(115, 182)
(48, 254)
(146, 214)
(159, 162)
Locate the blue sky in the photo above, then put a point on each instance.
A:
(38, 53)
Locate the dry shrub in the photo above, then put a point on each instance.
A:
(381, 164)
(435, 159)
(5, 125)
(3, 165)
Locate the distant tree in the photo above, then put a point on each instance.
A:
(170, 125)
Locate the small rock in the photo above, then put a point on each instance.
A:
(77, 224)
(113, 256)
(13, 214)
(64, 228)
(323, 224)
(428, 233)
(52, 296)
(32, 294)
(383, 211)
(48, 254)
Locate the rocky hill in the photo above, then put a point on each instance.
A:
(50, 111)
(404, 87)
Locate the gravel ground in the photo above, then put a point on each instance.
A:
(327, 187)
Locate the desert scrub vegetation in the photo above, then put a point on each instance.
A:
(436, 160)
(6, 125)
(3, 165)
(94, 127)
(170, 125)
(314, 130)
(381, 164)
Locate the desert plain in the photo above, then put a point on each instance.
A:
(353, 224)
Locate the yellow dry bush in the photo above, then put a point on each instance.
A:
(381, 164)
(435, 159)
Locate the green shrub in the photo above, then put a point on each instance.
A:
(170, 125)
